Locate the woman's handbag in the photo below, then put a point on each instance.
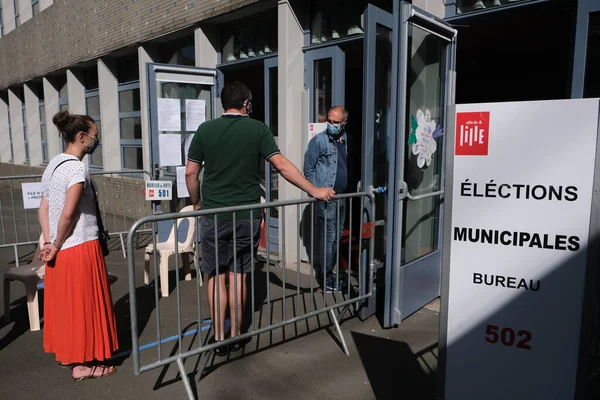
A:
(103, 236)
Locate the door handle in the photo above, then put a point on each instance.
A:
(405, 194)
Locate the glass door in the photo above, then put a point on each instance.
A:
(271, 180)
(379, 139)
(425, 89)
(408, 63)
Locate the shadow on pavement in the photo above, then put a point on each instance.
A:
(392, 367)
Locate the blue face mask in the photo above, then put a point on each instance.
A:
(334, 129)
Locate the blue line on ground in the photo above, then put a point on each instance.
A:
(171, 338)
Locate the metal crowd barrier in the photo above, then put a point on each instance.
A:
(187, 305)
(120, 197)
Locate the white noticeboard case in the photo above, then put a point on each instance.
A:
(519, 195)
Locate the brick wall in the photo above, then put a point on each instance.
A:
(73, 31)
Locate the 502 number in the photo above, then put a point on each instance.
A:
(508, 337)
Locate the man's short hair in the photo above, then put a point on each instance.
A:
(234, 95)
(344, 111)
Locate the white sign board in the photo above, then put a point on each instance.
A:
(520, 215)
(32, 194)
(159, 190)
(315, 128)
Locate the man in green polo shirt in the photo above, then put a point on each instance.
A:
(230, 149)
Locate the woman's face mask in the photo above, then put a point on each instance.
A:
(95, 143)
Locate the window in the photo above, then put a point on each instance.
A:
(92, 104)
(130, 124)
(43, 133)
(35, 4)
(1, 22)
(16, 8)
(25, 135)
(10, 141)
(253, 37)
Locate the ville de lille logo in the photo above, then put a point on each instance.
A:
(472, 133)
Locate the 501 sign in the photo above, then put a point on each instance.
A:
(508, 337)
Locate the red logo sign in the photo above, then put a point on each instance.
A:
(472, 133)
(151, 191)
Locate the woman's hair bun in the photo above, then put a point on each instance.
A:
(62, 120)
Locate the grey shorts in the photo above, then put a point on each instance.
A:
(224, 246)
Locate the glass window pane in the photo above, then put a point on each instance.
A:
(64, 107)
(44, 153)
(63, 90)
(93, 105)
(129, 100)
(322, 100)
(131, 128)
(96, 158)
(42, 113)
(43, 133)
(36, 8)
(423, 159)
(132, 158)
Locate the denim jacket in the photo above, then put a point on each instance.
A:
(320, 160)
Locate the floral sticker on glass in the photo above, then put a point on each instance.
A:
(421, 137)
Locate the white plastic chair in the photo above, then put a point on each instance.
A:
(30, 275)
(167, 249)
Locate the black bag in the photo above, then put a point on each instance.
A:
(103, 236)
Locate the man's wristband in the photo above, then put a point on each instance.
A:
(45, 243)
(57, 246)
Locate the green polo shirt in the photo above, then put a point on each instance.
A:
(230, 148)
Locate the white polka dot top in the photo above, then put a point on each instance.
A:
(55, 182)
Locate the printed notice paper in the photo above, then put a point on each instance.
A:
(32, 194)
(186, 147)
(169, 148)
(169, 115)
(195, 114)
(181, 186)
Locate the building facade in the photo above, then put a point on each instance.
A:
(385, 60)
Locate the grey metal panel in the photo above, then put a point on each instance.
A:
(394, 288)
(447, 240)
(580, 51)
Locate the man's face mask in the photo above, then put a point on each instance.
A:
(335, 128)
(92, 147)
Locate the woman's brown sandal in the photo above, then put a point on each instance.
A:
(106, 371)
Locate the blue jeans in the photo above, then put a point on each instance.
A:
(327, 213)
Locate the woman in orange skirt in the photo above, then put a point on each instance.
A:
(79, 321)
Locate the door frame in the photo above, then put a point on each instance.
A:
(375, 16)
(406, 14)
(272, 241)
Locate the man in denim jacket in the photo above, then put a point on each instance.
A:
(326, 166)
